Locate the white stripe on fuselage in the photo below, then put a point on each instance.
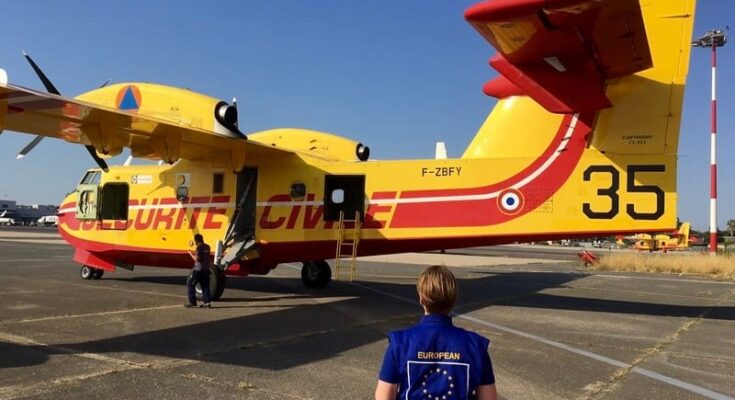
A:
(434, 199)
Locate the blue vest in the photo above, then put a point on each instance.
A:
(435, 360)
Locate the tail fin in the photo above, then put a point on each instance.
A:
(645, 111)
(630, 58)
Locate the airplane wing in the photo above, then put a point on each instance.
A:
(561, 52)
(109, 130)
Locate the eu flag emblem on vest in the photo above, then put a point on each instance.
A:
(428, 380)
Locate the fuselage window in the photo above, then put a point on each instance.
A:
(338, 196)
(218, 183)
(91, 178)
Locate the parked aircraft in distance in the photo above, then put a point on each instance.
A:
(678, 240)
(6, 219)
(48, 220)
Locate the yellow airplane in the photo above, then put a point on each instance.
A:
(679, 240)
(582, 142)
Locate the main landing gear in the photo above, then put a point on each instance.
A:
(216, 284)
(88, 272)
(316, 274)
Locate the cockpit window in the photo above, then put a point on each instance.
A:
(91, 178)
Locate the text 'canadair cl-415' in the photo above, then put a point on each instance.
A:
(582, 142)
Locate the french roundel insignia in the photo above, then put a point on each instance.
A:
(510, 201)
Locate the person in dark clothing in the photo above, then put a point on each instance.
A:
(200, 273)
(435, 359)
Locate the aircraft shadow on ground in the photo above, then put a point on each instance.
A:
(298, 335)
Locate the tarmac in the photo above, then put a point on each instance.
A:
(557, 331)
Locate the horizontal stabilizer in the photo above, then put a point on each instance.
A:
(561, 52)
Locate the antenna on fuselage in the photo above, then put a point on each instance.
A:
(441, 151)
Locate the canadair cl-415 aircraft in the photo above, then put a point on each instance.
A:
(582, 142)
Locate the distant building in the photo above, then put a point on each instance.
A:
(23, 214)
(7, 205)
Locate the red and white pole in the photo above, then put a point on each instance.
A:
(713, 160)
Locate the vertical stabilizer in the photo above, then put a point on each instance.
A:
(642, 79)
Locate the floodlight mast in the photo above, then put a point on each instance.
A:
(714, 39)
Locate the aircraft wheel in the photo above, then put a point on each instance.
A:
(97, 273)
(316, 274)
(86, 272)
(216, 284)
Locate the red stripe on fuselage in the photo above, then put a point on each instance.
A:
(486, 212)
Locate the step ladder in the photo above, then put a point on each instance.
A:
(347, 241)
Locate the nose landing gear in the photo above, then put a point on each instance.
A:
(88, 272)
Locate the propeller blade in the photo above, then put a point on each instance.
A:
(93, 152)
(36, 140)
(234, 104)
(44, 79)
(52, 89)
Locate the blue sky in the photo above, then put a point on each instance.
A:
(396, 75)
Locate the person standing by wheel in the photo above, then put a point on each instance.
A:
(199, 274)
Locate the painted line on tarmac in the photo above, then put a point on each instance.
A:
(35, 241)
(13, 260)
(116, 289)
(125, 311)
(22, 340)
(598, 357)
(648, 278)
(667, 295)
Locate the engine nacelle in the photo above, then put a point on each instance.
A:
(181, 106)
(319, 144)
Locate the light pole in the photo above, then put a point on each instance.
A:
(713, 39)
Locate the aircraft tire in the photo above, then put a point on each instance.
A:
(97, 273)
(316, 274)
(86, 272)
(216, 284)
(218, 275)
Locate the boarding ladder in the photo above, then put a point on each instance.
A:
(348, 238)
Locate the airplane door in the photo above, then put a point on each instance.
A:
(344, 193)
(113, 206)
(247, 183)
(87, 195)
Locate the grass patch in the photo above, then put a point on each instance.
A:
(722, 266)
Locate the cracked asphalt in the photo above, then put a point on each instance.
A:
(557, 331)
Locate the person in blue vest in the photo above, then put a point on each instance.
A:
(200, 273)
(436, 360)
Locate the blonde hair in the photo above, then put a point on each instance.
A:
(437, 289)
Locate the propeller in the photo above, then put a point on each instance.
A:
(52, 89)
(234, 104)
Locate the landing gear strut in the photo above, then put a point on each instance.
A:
(316, 274)
(88, 272)
(216, 284)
